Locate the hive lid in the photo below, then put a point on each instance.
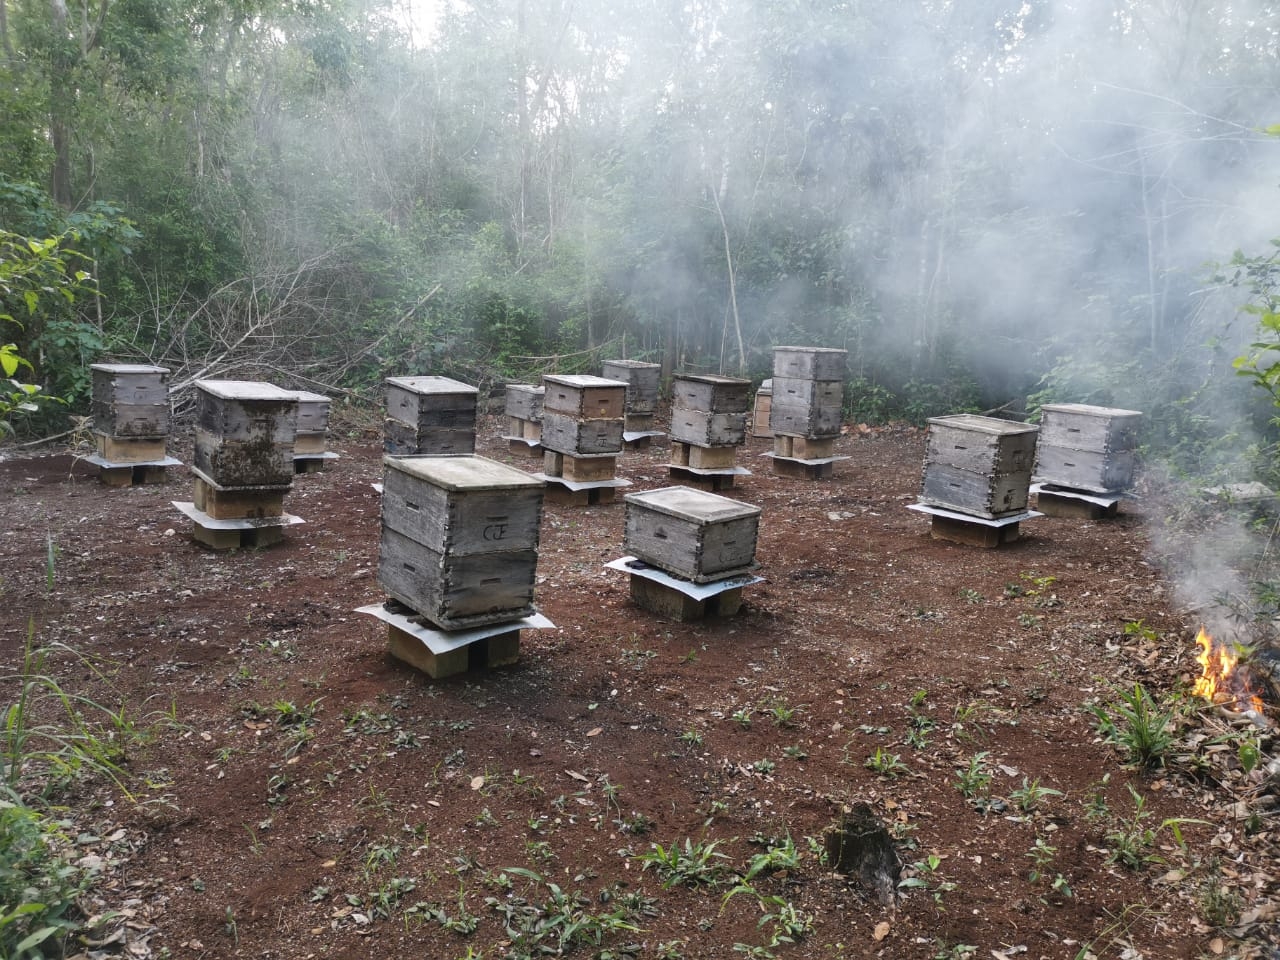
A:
(581, 381)
(462, 472)
(712, 378)
(244, 390)
(127, 368)
(632, 364)
(306, 396)
(432, 385)
(814, 349)
(1089, 410)
(972, 421)
(526, 388)
(699, 506)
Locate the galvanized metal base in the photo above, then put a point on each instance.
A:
(817, 462)
(695, 591)
(577, 486)
(327, 455)
(238, 523)
(442, 641)
(196, 471)
(443, 653)
(106, 464)
(970, 518)
(1106, 500)
(632, 436)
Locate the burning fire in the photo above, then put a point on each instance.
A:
(1223, 678)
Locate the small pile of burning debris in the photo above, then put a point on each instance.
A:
(1229, 681)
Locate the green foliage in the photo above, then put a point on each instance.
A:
(697, 864)
(39, 885)
(556, 922)
(1138, 725)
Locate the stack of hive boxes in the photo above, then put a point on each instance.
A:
(243, 462)
(309, 453)
(977, 477)
(805, 409)
(459, 549)
(1085, 458)
(642, 398)
(430, 415)
(691, 551)
(130, 410)
(582, 423)
(708, 424)
(523, 410)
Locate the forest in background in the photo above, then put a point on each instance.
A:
(984, 203)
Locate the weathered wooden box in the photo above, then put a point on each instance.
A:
(432, 402)
(979, 494)
(584, 397)
(809, 363)
(978, 444)
(404, 439)
(313, 412)
(704, 429)
(130, 400)
(641, 379)
(1097, 472)
(566, 434)
(710, 393)
(1082, 426)
(806, 408)
(978, 465)
(460, 538)
(524, 401)
(690, 533)
(245, 432)
(760, 412)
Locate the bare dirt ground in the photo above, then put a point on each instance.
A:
(298, 793)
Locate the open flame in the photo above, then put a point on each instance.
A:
(1223, 678)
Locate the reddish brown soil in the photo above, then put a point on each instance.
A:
(249, 838)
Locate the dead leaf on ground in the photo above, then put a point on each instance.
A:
(881, 931)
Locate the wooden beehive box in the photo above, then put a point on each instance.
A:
(130, 400)
(760, 412)
(562, 433)
(460, 539)
(978, 465)
(809, 363)
(703, 429)
(692, 534)
(313, 423)
(1089, 470)
(524, 401)
(806, 408)
(245, 432)
(641, 379)
(432, 403)
(313, 412)
(1082, 426)
(710, 393)
(584, 397)
(1087, 447)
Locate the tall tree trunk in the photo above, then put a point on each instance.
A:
(5, 44)
(60, 102)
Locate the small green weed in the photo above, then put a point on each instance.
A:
(886, 764)
(697, 864)
(1138, 725)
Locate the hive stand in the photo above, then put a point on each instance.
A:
(658, 592)
(441, 653)
(234, 533)
(804, 458)
(972, 531)
(1054, 501)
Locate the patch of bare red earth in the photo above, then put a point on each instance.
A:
(256, 834)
